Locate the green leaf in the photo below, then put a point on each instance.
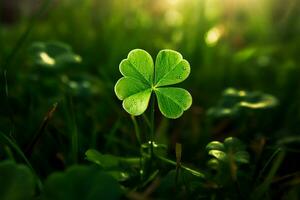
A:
(213, 163)
(81, 183)
(104, 160)
(16, 182)
(115, 166)
(138, 65)
(215, 145)
(242, 157)
(126, 86)
(231, 147)
(266, 101)
(220, 155)
(233, 144)
(110, 161)
(53, 54)
(173, 101)
(137, 104)
(138, 83)
(236, 103)
(170, 68)
(119, 175)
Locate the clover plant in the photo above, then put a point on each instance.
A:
(232, 147)
(142, 78)
(234, 102)
(227, 158)
(53, 55)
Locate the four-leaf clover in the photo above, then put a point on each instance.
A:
(141, 78)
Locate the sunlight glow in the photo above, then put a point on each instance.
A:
(213, 35)
(47, 59)
(173, 2)
(77, 58)
(242, 93)
(173, 18)
(263, 104)
(73, 84)
(254, 105)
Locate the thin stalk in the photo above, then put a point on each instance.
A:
(171, 162)
(146, 120)
(262, 189)
(6, 140)
(72, 127)
(10, 110)
(152, 126)
(138, 137)
(74, 132)
(111, 135)
(136, 129)
(268, 163)
(41, 130)
(9, 153)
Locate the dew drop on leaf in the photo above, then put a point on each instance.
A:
(134, 102)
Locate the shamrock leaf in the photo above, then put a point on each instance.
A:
(141, 78)
(53, 55)
(234, 102)
(226, 160)
(231, 147)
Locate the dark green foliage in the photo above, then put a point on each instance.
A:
(16, 182)
(81, 182)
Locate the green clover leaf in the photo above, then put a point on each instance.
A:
(141, 78)
(53, 55)
(231, 146)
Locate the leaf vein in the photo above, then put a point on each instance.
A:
(173, 69)
(141, 75)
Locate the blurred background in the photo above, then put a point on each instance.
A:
(250, 45)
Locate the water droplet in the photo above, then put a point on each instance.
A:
(184, 68)
(134, 102)
(179, 77)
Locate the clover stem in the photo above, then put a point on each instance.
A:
(152, 126)
(136, 129)
(138, 137)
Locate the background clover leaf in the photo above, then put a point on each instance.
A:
(231, 146)
(141, 78)
(236, 103)
(53, 55)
